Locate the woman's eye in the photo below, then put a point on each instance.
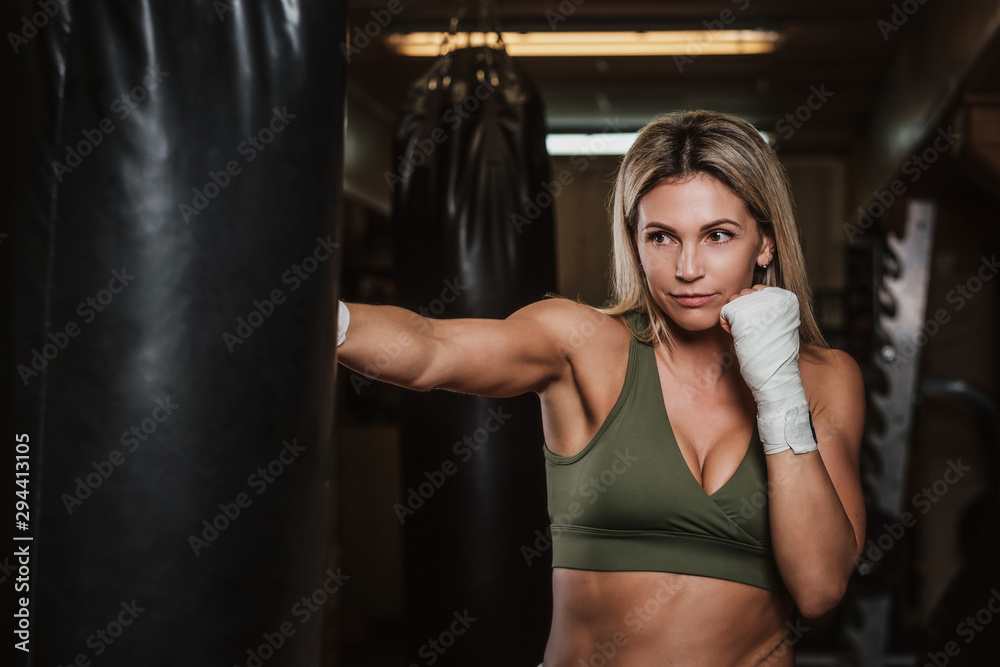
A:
(657, 237)
(718, 236)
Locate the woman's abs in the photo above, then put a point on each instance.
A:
(638, 619)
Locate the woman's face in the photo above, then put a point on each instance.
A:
(698, 246)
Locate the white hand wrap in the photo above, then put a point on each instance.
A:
(765, 328)
(343, 319)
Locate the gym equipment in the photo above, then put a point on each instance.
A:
(473, 223)
(172, 253)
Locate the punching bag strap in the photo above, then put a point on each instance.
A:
(487, 22)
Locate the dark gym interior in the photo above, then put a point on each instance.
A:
(190, 187)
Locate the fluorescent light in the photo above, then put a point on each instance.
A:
(609, 43)
(605, 143)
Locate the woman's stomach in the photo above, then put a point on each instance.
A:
(640, 619)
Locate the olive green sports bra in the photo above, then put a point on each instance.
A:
(629, 502)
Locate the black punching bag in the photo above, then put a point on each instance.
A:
(473, 222)
(170, 243)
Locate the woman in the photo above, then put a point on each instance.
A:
(704, 545)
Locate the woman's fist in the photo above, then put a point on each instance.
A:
(764, 323)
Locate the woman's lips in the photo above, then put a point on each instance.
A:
(693, 300)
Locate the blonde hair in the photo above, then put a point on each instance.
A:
(684, 144)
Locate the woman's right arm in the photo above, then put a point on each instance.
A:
(498, 358)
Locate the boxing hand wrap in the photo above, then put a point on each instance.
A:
(765, 328)
(343, 319)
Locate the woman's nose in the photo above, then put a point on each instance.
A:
(688, 266)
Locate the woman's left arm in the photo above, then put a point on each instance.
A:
(810, 417)
(816, 507)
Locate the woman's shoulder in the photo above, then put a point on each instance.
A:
(829, 370)
(559, 310)
(574, 322)
(827, 357)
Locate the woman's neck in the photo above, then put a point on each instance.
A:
(706, 357)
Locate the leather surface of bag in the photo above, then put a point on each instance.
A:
(168, 364)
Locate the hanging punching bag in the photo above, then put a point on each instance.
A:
(473, 221)
(171, 247)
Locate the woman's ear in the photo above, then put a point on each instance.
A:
(766, 254)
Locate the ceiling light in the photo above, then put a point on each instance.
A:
(605, 143)
(651, 43)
